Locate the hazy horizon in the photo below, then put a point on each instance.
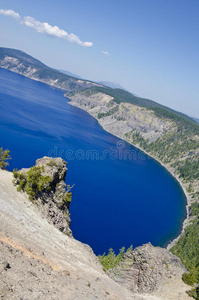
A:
(150, 48)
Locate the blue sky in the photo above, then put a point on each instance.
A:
(151, 47)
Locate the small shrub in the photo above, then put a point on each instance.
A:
(4, 156)
(52, 163)
(111, 259)
(68, 195)
(189, 278)
(32, 182)
(194, 293)
(67, 198)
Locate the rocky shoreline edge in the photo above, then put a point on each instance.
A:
(188, 200)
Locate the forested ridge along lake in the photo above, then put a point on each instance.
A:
(121, 197)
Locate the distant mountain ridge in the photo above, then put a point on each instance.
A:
(113, 85)
(24, 64)
(70, 74)
(18, 54)
(196, 119)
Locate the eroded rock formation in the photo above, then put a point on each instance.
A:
(54, 200)
(147, 268)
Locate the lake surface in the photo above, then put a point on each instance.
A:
(121, 196)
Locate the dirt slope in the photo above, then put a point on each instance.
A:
(39, 262)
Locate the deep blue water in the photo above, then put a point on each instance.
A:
(121, 196)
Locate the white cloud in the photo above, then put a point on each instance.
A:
(10, 13)
(46, 28)
(105, 52)
(54, 31)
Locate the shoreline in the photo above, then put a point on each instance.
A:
(188, 201)
(167, 167)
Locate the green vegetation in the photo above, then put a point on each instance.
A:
(4, 157)
(32, 182)
(111, 259)
(68, 195)
(109, 113)
(171, 147)
(189, 168)
(195, 209)
(189, 278)
(179, 147)
(186, 122)
(120, 96)
(52, 163)
(188, 251)
(136, 138)
(194, 293)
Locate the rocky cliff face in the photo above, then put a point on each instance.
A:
(146, 269)
(52, 201)
(124, 118)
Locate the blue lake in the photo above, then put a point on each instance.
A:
(121, 196)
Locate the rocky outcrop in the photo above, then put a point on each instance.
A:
(124, 118)
(146, 269)
(54, 200)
